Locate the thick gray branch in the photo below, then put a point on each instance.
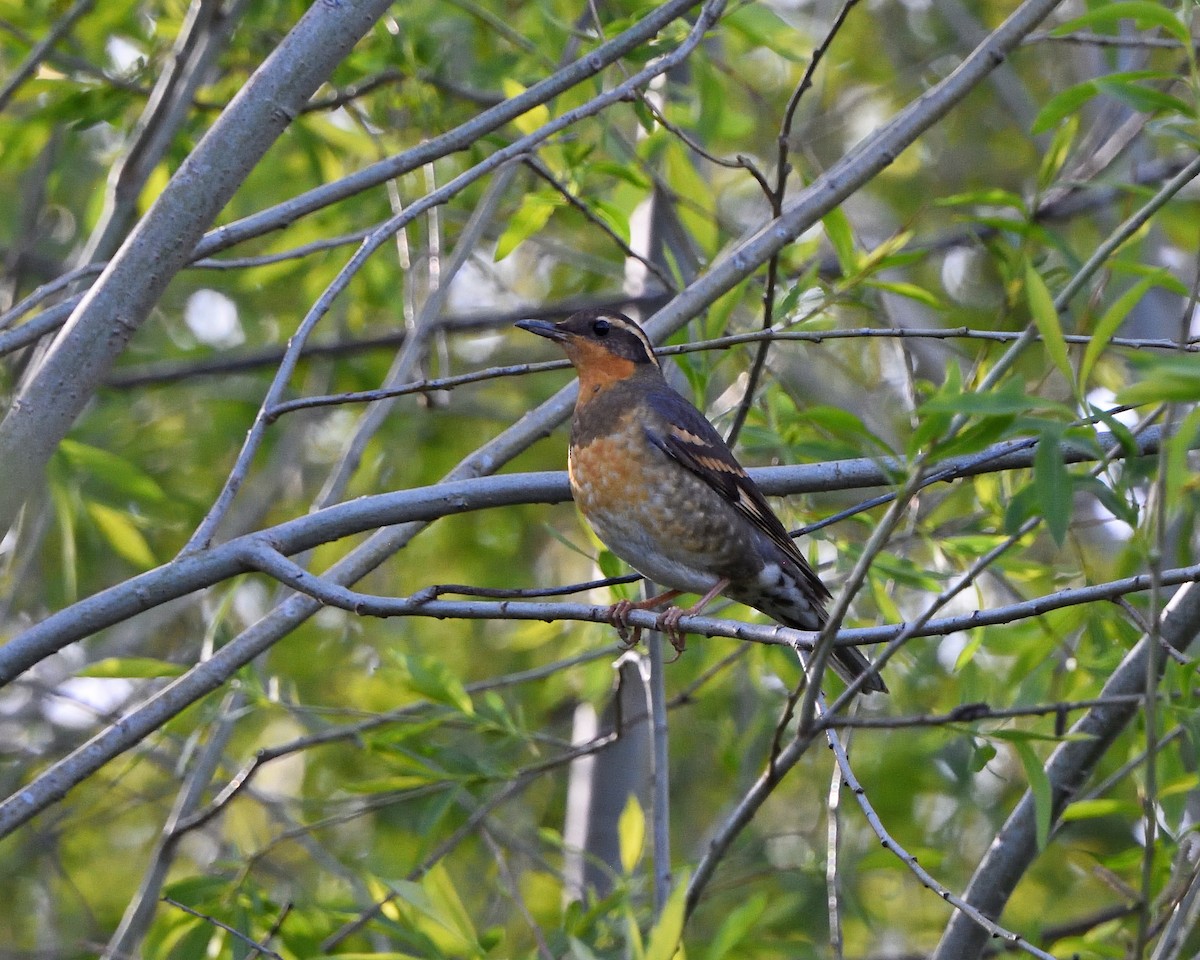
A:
(163, 242)
(1015, 846)
(205, 568)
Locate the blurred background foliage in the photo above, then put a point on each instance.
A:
(946, 237)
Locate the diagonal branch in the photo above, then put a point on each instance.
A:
(1069, 766)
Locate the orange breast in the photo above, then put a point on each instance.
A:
(607, 473)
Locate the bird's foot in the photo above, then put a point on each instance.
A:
(668, 624)
(618, 615)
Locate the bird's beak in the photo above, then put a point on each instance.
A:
(544, 328)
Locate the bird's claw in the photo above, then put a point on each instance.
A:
(668, 624)
(618, 613)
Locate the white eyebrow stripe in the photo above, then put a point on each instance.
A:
(621, 323)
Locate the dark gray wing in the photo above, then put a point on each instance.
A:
(692, 441)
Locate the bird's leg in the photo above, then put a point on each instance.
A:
(668, 623)
(619, 615)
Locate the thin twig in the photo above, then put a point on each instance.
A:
(926, 878)
(776, 198)
(249, 941)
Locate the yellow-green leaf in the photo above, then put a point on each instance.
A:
(132, 668)
(1052, 483)
(1102, 807)
(448, 907)
(664, 938)
(1142, 12)
(1045, 316)
(531, 120)
(631, 833)
(530, 217)
(118, 476)
(1107, 325)
(734, 928)
(841, 237)
(122, 534)
(1039, 786)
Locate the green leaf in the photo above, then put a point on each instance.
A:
(1045, 316)
(532, 119)
(1021, 506)
(1143, 13)
(447, 906)
(967, 653)
(1039, 785)
(837, 229)
(1007, 400)
(1115, 504)
(122, 534)
(1103, 807)
(433, 679)
(1106, 327)
(1143, 98)
(909, 290)
(1056, 154)
(762, 27)
(132, 668)
(1179, 474)
(631, 833)
(664, 938)
(1121, 433)
(736, 925)
(1052, 481)
(117, 475)
(1063, 105)
(699, 214)
(530, 217)
(616, 218)
(982, 754)
(994, 197)
(610, 564)
(64, 515)
(1166, 379)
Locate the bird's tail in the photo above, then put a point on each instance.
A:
(850, 663)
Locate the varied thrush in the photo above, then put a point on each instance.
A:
(665, 493)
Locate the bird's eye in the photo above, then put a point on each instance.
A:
(601, 327)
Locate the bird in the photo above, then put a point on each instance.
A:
(664, 492)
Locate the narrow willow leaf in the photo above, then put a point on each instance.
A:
(531, 120)
(1039, 785)
(631, 833)
(837, 229)
(1045, 316)
(1108, 324)
(909, 290)
(122, 535)
(1063, 105)
(664, 938)
(131, 668)
(117, 475)
(734, 928)
(530, 217)
(1053, 484)
(434, 680)
(1165, 379)
(1103, 807)
(1143, 98)
(1143, 13)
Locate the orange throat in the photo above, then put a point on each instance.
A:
(597, 369)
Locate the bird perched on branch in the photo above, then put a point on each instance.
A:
(665, 493)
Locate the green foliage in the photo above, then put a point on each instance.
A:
(422, 764)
